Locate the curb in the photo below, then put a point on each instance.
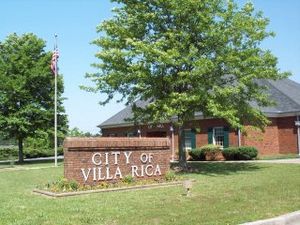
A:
(287, 219)
(140, 187)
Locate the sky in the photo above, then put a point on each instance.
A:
(75, 21)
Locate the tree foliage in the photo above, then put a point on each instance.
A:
(186, 56)
(76, 132)
(27, 89)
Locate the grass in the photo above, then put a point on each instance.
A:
(223, 194)
(283, 156)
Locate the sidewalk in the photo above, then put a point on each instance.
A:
(279, 161)
(35, 159)
(287, 219)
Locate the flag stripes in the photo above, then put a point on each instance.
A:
(54, 60)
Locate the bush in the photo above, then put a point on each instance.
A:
(197, 154)
(41, 152)
(230, 153)
(211, 148)
(247, 153)
(40, 146)
(63, 185)
(8, 152)
(170, 176)
(240, 153)
(128, 179)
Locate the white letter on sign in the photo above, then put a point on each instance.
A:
(149, 173)
(116, 157)
(144, 158)
(98, 163)
(85, 176)
(127, 155)
(157, 171)
(150, 157)
(134, 171)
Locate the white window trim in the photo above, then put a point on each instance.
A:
(187, 148)
(214, 140)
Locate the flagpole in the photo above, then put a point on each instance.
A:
(55, 105)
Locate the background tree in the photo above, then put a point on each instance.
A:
(186, 56)
(76, 132)
(27, 89)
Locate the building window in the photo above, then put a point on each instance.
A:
(218, 136)
(189, 139)
(112, 135)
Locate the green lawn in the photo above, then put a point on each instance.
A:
(223, 194)
(280, 156)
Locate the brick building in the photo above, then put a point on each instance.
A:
(282, 136)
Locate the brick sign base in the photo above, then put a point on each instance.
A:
(94, 160)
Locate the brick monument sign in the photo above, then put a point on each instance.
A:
(94, 160)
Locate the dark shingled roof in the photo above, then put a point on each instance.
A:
(286, 93)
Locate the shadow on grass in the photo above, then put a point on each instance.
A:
(218, 168)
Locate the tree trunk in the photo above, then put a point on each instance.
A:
(20, 144)
(181, 144)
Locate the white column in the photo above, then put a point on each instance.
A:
(239, 138)
(298, 133)
(172, 144)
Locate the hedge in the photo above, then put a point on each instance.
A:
(197, 154)
(36, 153)
(231, 153)
(8, 152)
(240, 153)
(11, 152)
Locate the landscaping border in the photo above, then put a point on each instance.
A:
(137, 187)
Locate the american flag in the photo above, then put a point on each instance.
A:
(54, 60)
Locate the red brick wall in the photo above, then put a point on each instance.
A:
(78, 153)
(201, 137)
(287, 135)
(266, 142)
(280, 137)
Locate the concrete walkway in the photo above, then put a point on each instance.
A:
(295, 161)
(283, 161)
(287, 219)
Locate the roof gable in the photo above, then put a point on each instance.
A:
(285, 92)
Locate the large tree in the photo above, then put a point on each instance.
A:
(186, 56)
(27, 89)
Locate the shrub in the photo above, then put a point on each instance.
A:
(8, 152)
(197, 154)
(240, 153)
(230, 153)
(128, 179)
(63, 185)
(210, 148)
(247, 153)
(170, 176)
(41, 152)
